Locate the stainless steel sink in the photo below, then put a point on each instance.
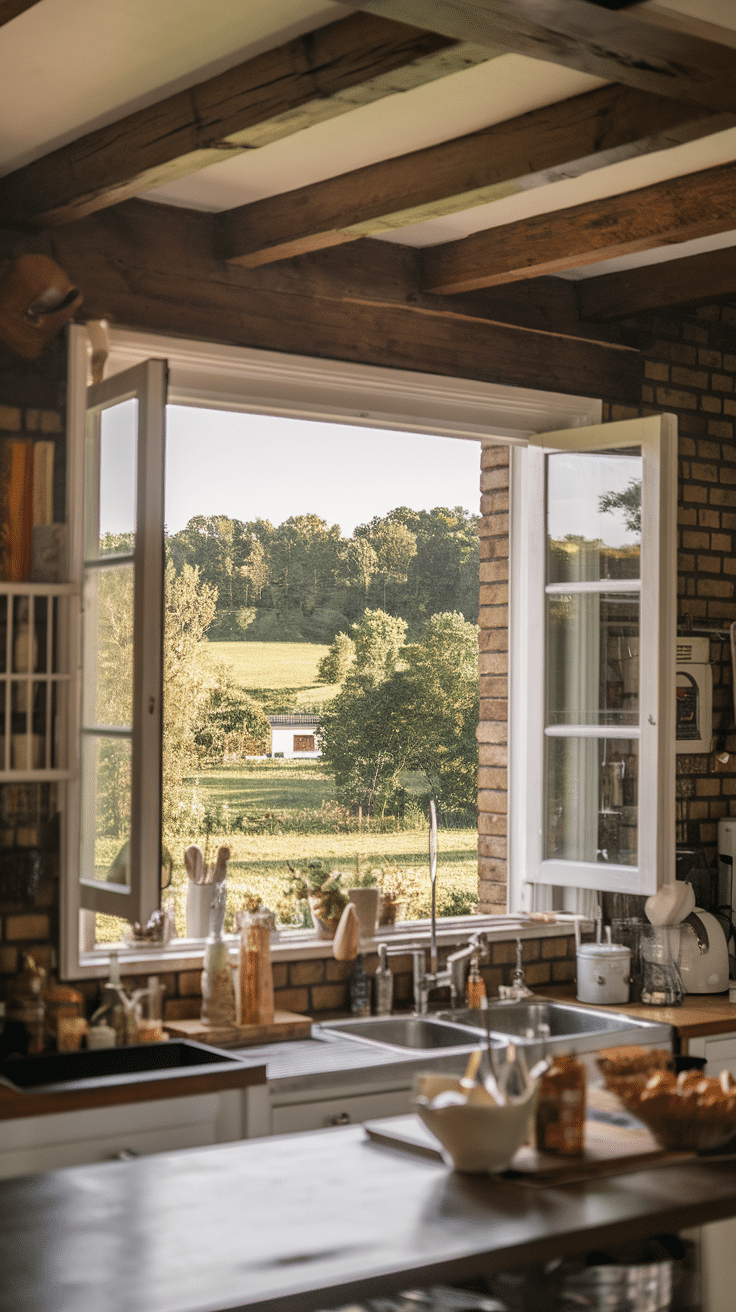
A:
(532, 1019)
(426, 1033)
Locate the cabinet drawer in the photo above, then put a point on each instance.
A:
(339, 1111)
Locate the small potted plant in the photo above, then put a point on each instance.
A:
(365, 896)
(322, 890)
(393, 897)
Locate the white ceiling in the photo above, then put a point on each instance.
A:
(72, 65)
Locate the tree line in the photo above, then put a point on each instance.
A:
(303, 581)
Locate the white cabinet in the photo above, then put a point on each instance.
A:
(719, 1051)
(98, 1134)
(347, 1109)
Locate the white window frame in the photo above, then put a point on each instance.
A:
(264, 382)
(534, 883)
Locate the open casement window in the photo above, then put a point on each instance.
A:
(122, 560)
(593, 660)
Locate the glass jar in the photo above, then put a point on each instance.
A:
(661, 984)
(218, 994)
(560, 1119)
(256, 973)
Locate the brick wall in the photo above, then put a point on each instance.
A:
(320, 987)
(494, 667)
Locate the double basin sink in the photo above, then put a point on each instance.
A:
(540, 1027)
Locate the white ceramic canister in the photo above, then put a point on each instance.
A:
(603, 973)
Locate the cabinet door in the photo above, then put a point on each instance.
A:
(291, 1117)
(45, 1143)
(719, 1052)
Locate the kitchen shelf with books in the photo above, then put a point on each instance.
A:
(34, 680)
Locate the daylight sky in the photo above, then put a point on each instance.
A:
(265, 467)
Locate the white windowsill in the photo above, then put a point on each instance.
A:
(302, 945)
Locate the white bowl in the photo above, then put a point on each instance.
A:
(476, 1137)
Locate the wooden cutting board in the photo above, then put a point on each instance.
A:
(285, 1025)
(609, 1150)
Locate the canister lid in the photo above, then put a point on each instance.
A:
(596, 950)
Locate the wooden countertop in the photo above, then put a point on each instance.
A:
(700, 1013)
(307, 1221)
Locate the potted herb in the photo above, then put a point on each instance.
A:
(322, 890)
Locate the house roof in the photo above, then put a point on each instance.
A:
(493, 165)
(297, 721)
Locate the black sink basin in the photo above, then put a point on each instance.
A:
(111, 1064)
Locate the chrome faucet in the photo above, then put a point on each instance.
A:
(517, 989)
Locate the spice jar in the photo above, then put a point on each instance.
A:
(62, 1003)
(560, 1119)
(256, 974)
(26, 1003)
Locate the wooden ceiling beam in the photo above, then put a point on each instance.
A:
(676, 210)
(152, 267)
(10, 9)
(618, 47)
(695, 279)
(318, 76)
(560, 140)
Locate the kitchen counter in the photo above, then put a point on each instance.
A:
(700, 1013)
(308, 1221)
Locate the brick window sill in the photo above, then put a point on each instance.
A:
(302, 945)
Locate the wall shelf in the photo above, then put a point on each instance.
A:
(34, 681)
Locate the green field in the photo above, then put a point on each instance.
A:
(287, 790)
(288, 665)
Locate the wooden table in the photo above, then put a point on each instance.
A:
(307, 1221)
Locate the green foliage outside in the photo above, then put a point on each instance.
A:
(417, 709)
(303, 581)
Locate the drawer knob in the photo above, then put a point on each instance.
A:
(341, 1118)
(125, 1155)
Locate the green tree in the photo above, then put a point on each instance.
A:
(189, 611)
(303, 559)
(379, 639)
(422, 717)
(334, 666)
(229, 722)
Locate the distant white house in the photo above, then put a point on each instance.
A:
(294, 735)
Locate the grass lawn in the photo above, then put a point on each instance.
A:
(259, 861)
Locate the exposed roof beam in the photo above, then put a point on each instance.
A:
(11, 8)
(616, 46)
(696, 278)
(152, 266)
(315, 77)
(560, 140)
(679, 209)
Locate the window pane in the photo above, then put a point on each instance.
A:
(592, 800)
(593, 516)
(106, 771)
(108, 647)
(112, 521)
(593, 658)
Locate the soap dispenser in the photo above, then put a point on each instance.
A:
(384, 983)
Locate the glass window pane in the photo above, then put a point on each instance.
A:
(593, 515)
(592, 800)
(593, 658)
(106, 773)
(115, 517)
(107, 681)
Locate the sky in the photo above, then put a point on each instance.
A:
(219, 462)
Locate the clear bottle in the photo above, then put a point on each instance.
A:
(384, 983)
(360, 989)
(256, 972)
(218, 994)
(560, 1119)
(112, 1010)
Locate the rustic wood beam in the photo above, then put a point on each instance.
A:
(616, 46)
(560, 140)
(678, 209)
(352, 62)
(10, 9)
(696, 279)
(151, 266)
